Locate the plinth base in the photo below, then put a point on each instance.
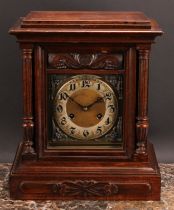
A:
(43, 179)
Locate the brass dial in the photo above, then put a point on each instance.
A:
(85, 107)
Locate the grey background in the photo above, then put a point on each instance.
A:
(161, 100)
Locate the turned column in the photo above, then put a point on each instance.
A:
(28, 124)
(142, 120)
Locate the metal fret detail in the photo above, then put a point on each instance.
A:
(85, 61)
(116, 132)
(58, 135)
(117, 82)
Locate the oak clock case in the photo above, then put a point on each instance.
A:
(85, 93)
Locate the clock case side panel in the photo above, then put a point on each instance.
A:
(128, 110)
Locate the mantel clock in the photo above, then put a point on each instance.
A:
(85, 93)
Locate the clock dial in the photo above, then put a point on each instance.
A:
(91, 106)
(85, 107)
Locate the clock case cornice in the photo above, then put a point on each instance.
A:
(84, 26)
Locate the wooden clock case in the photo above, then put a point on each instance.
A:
(128, 173)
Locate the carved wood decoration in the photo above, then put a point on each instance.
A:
(85, 188)
(142, 124)
(119, 164)
(28, 123)
(85, 61)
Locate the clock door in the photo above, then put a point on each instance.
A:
(86, 100)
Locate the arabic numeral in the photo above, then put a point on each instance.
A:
(98, 86)
(59, 108)
(111, 108)
(72, 86)
(86, 83)
(72, 130)
(107, 122)
(63, 121)
(108, 96)
(62, 96)
(99, 130)
(85, 133)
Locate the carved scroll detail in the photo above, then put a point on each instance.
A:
(28, 123)
(85, 61)
(142, 123)
(82, 188)
(85, 188)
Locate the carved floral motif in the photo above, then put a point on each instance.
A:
(85, 188)
(85, 61)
